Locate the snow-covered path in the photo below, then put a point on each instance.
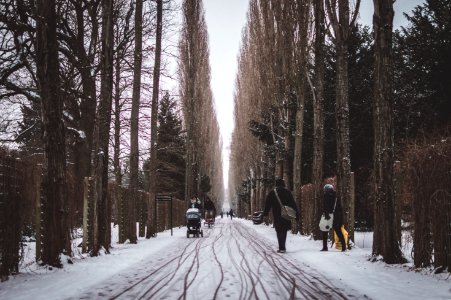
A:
(230, 261)
(234, 260)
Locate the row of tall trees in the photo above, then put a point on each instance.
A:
(84, 77)
(315, 98)
(203, 141)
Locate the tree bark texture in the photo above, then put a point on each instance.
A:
(154, 113)
(101, 222)
(318, 118)
(386, 237)
(303, 19)
(117, 124)
(342, 137)
(87, 105)
(55, 215)
(134, 125)
(341, 26)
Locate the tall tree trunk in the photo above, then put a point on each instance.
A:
(303, 10)
(101, 224)
(88, 105)
(342, 135)
(386, 236)
(289, 145)
(318, 118)
(134, 125)
(342, 25)
(153, 128)
(56, 230)
(88, 102)
(117, 124)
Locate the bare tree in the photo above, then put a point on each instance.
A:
(303, 21)
(386, 231)
(189, 67)
(318, 118)
(338, 12)
(101, 224)
(79, 39)
(153, 126)
(134, 123)
(203, 158)
(56, 230)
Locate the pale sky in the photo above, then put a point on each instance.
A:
(225, 21)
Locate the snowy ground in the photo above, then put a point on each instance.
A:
(234, 260)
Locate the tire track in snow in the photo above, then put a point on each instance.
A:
(306, 281)
(229, 252)
(168, 267)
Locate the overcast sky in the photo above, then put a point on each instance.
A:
(225, 21)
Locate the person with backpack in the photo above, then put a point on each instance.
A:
(280, 224)
(332, 207)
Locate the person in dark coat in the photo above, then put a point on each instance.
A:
(330, 197)
(210, 206)
(231, 214)
(280, 224)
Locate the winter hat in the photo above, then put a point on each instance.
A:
(280, 182)
(328, 188)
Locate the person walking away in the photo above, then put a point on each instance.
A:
(280, 224)
(209, 206)
(330, 202)
(231, 214)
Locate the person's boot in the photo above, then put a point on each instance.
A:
(324, 245)
(343, 246)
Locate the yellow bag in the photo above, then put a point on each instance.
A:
(337, 241)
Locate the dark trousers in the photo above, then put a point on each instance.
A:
(337, 229)
(282, 238)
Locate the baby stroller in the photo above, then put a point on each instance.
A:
(209, 218)
(193, 223)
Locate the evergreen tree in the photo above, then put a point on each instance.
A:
(360, 117)
(170, 150)
(423, 80)
(361, 96)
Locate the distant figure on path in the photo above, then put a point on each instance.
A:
(231, 214)
(210, 206)
(281, 225)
